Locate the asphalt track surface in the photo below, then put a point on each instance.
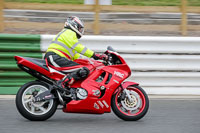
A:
(164, 116)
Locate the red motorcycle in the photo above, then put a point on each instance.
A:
(102, 90)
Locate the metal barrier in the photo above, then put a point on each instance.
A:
(162, 65)
(11, 78)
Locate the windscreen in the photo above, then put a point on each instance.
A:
(111, 49)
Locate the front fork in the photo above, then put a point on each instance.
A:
(128, 95)
(123, 87)
(125, 93)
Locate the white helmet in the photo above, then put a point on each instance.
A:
(75, 24)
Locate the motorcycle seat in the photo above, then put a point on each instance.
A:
(39, 62)
(42, 64)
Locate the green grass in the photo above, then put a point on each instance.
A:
(120, 2)
(147, 2)
(50, 1)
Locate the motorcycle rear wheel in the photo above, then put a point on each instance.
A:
(34, 111)
(130, 111)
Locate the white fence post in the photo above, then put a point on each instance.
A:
(101, 2)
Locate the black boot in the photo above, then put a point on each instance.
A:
(65, 82)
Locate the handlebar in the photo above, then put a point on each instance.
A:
(108, 59)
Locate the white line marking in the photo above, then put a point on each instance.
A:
(105, 104)
(100, 104)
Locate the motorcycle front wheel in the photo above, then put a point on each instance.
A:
(130, 110)
(34, 111)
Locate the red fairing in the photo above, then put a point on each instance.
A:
(100, 84)
(124, 65)
(101, 103)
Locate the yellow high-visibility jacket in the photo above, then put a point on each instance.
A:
(67, 42)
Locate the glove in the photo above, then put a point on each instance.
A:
(101, 57)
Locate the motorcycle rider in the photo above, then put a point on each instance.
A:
(65, 48)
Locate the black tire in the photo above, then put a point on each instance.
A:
(127, 117)
(24, 112)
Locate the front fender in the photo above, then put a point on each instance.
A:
(128, 83)
(124, 85)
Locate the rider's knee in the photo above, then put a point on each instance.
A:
(83, 72)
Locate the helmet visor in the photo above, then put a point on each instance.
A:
(81, 30)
